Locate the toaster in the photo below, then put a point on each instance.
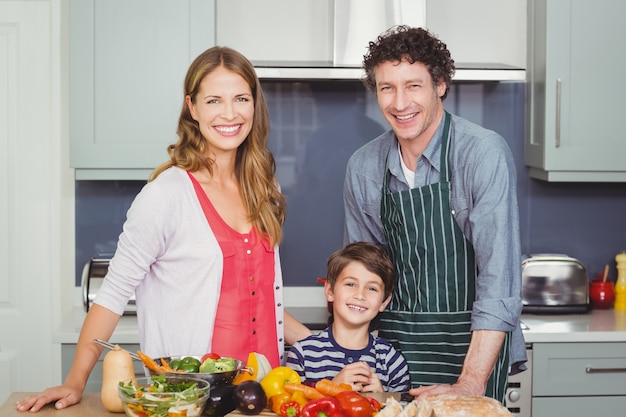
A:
(554, 283)
(94, 272)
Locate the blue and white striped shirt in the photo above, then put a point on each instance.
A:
(319, 356)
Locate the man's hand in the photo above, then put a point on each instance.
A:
(454, 389)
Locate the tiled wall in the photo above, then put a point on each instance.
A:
(315, 126)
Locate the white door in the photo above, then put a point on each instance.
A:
(31, 214)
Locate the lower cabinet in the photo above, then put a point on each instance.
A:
(578, 379)
(94, 384)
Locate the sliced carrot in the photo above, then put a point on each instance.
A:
(329, 388)
(148, 361)
(165, 367)
(309, 392)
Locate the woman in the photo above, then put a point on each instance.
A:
(199, 247)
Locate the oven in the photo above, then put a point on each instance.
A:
(519, 392)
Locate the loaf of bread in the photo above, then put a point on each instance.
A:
(446, 406)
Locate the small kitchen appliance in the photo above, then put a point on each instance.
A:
(92, 277)
(554, 283)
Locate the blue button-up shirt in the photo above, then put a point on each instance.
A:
(484, 203)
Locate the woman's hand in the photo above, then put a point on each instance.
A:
(64, 396)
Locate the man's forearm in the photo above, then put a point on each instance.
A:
(481, 357)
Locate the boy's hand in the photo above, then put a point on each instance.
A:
(374, 384)
(360, 376)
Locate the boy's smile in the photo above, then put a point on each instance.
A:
(358, 295)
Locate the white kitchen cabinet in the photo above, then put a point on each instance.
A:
(575, 90)
(94, 383)
(127, 63)
(578, 379)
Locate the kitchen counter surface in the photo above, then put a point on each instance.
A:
(316, 318)
(595, 326)
(90, 406)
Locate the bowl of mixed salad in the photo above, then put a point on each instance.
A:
(164, 396)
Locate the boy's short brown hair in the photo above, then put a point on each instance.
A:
(371, 256)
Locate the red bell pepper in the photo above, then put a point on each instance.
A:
(324, 407)
(290, 409)
(353, 404)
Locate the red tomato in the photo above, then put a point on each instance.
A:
(210, 355)
(353, 404)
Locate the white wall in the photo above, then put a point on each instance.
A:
(36, 195)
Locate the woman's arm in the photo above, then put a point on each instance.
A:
(99, 324)
(294, 330)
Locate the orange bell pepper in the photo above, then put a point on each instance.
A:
(275, 402)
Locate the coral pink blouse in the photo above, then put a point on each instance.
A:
(246, 318)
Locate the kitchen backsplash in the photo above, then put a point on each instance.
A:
(315, 126)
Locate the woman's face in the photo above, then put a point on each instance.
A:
(224, 110)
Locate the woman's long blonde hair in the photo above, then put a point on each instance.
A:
(255, 167)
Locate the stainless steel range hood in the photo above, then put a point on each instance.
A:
(310, 39)
(325, 39)
(320, 71)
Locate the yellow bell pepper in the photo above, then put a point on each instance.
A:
(299, 397)
(274, 381)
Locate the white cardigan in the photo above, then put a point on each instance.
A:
(169, 257)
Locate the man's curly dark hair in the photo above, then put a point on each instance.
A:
(411, 44)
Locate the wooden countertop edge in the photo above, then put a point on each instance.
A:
(89, 406)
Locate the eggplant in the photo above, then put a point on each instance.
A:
(250, 397)
(221, 401)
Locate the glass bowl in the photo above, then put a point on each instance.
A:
(165, 395)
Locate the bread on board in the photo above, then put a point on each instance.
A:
(446, 406)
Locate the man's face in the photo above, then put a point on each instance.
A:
(408, 100)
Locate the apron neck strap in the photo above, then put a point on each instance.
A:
(445, 149)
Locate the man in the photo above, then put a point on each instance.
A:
(440, 193)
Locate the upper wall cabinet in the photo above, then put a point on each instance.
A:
(328, 38)
(576, 90)
(127, 63)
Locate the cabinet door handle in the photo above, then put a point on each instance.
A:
(557, 139)
(604, 370)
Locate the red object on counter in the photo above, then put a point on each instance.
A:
(329, 304)
(353, 404)
(601, 294)
(324, 407)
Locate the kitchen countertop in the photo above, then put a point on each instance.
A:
(315, 318)
(595, 326)
(90, 406)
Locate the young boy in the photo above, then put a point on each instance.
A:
(359, 282)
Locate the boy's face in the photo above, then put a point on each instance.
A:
(358, 295)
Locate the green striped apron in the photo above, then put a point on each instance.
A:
(429, 316)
